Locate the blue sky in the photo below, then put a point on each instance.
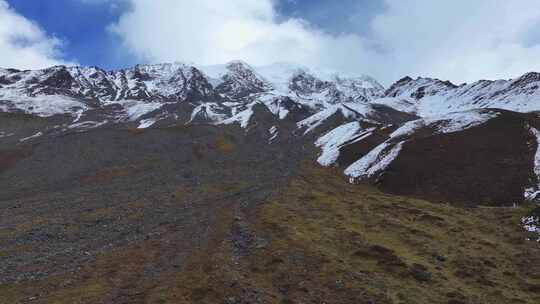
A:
(82, 25)
(459, 40)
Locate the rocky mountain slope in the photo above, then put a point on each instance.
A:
(167, 169)
(359, 125)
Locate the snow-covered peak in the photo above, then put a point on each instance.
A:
(419, 87)
(309, 89)
(363, 82)
(238, 65)
(170, 80)
(236, 79)
(166, 81)
(162, 71)
(433, 97)
(281, 74)
(526, 79)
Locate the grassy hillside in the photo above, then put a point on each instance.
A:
(316, 240)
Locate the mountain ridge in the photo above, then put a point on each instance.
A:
(275, 101)
(165, 183)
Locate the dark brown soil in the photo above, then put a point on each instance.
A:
(486, 165)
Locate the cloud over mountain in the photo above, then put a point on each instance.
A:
(458, 40)
(23, 44)
(210, 32)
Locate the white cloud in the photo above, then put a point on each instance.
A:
(211, 32)
(459, 40)
(23, 44)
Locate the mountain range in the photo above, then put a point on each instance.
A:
(358, 124)
(157, 126)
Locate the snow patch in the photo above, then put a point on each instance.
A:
(274, 105)
(43, 106)
(135, 109)
(79, 116)
(208, 111)
(531, 224)
(5, 134)
(146, 123)
(375, 161)
(241, 118)
(273, 133)
(400, 104)
(408, 128)
(312, 122)
(533, 193)
(332, 141)
(448, 123)
(459, 121)
(87, 124)
(38, 134)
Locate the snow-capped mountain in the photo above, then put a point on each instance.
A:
(388, 154)
(360, 126)
(225, 89)
(120, 182)
(148, 82)
(435, 97)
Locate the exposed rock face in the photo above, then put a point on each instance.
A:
(241, 81)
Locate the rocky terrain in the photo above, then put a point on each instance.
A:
(174, 183)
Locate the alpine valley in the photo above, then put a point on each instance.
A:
(178, 183)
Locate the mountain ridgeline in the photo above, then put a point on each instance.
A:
(473, 144)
